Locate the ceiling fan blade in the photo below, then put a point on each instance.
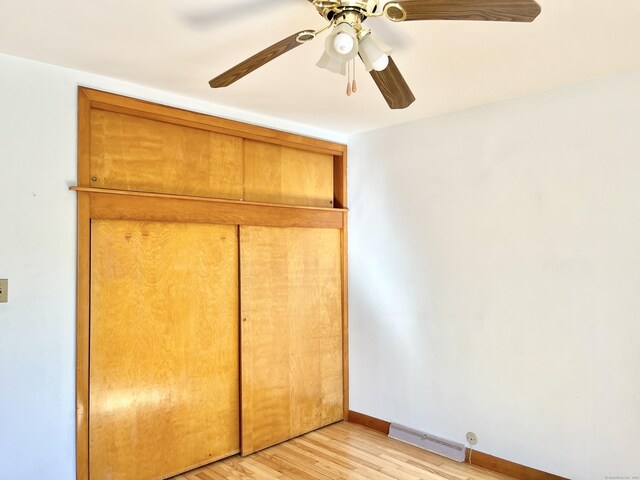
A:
(393, 86)
(492, 10)
(258, 60)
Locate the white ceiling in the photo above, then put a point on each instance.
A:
(178, 45)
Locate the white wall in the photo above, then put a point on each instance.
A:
(495, 271)
(37, 255)
(495, 277)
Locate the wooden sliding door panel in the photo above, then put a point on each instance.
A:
(164, 367)
(277, 174)
(292, 379)
(133, 153)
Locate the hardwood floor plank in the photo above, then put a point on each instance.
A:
(207, 473)
(370, 471)
(343, 451)
(300, 457)
(372, 461)
(377, 447)
(265, 468)
(303, 473)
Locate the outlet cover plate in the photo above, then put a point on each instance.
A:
(4, 291)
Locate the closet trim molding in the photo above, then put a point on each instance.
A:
(108, 204)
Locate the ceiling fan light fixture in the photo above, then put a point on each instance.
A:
(340, 48)
(349, 39)
(374, 53)
(334, 65)
(342, 43)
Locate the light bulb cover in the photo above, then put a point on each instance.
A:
(335, 65)
(336, 61)
(374, 52)
(337, 37)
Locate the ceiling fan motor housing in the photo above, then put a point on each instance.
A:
(331, 9)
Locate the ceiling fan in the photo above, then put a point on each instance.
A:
(349, 39)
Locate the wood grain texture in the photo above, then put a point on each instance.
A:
(114, 205)
(381, 426)
(162, 113)
(340, 194)
(83, 294)
(393, 86)
(506, 467)
(82, 336)
(345, 315)
(133, 153)
(256, 61)
(342, 451)
(84, 138)
(340, 181)
(490, 10)
(282, 175)
(292, 379)
(164, 368)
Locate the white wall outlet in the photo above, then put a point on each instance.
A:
(4, 291)
(472, 438)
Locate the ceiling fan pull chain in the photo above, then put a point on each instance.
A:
(349, 91)
(354, 86)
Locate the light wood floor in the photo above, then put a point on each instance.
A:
(342, 451)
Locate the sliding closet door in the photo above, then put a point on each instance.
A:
(291, 297)
(164, 368)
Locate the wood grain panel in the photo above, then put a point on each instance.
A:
(277, 174)
(256, 61)
(369, 422)
(133, 153)
(164, 373)
(153, 111)
(345, 316)
(393, 86)
(82, 336)
(340, 181)
(291, 291)
(117, 205)
(488, 10)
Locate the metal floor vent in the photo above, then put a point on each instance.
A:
(454, 451)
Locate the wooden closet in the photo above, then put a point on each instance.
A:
(212, 288)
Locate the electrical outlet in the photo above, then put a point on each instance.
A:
(472, 438)
(4, 291)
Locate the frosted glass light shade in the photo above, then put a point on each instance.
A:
(374, 52)
(335, 65)
(336, 49)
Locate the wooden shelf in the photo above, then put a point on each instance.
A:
(131, 205)
(202, 199)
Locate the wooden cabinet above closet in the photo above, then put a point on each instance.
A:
(133, 152)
